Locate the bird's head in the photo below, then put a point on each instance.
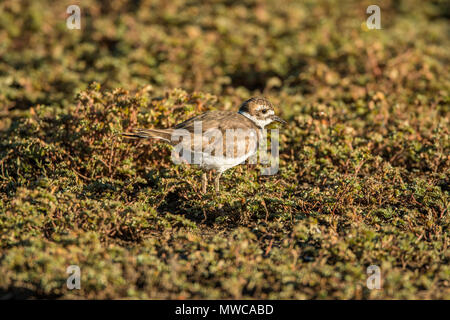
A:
(260, 111)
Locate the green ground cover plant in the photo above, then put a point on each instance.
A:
(364, 158)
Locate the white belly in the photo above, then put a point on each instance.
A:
(223, 163)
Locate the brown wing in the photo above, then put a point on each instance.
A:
(221, 120)
(223, 133)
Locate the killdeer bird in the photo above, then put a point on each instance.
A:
(218, 140)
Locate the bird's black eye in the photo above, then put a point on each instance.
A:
(264, 111)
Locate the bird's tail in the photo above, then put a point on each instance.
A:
(162, 134)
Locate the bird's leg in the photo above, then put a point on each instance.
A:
(204, 182)
(216, 182)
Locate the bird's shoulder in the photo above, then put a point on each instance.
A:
(222, 120)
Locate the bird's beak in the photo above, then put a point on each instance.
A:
(278, 119)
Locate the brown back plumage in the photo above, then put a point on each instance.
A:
(221, 120)
(242, 133)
